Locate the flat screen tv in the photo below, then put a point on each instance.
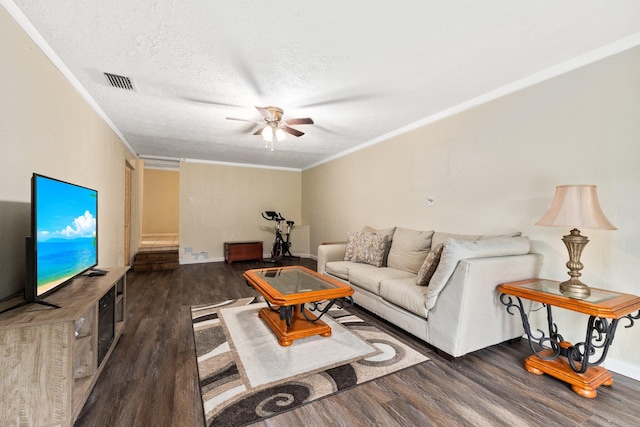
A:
(64, 235)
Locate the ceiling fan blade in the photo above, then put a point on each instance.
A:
(265, 113)
(325, 129)
(244, 70)
(241, 120)
(303, 121)
(259, 131)
(292, 131)
(341, 100)
(211, 102)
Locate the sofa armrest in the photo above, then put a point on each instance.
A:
(328, 252)
(468, 314)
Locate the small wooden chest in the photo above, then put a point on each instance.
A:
(242, 251)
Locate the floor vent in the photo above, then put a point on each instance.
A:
(120, 82)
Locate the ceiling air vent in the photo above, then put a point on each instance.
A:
(120, 82)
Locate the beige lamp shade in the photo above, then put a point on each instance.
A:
(576, 206)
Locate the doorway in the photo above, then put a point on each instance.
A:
(159, 245)
(127, 213)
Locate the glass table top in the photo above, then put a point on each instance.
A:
(553, 288)
(289, 281)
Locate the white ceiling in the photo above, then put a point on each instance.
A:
(362, 69)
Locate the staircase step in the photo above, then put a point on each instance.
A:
(156, 260)
(155, 266)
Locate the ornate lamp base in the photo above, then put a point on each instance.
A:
(573, 287)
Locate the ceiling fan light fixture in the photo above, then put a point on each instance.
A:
(269, 131)
(267, 134)
(276, 128)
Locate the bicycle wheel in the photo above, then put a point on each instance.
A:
(277, 251)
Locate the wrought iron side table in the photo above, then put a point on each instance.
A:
(576, 364)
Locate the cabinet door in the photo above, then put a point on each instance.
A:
(84, 355)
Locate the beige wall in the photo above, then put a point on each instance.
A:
(161, 202)
(494, 168)
(220, 203)
(48, 128)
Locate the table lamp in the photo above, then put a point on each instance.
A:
(575, 206)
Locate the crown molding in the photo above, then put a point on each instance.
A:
(542, 76)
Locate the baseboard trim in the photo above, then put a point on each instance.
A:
(200, 260)
(621, 367)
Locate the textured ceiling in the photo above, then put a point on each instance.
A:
(361, 69)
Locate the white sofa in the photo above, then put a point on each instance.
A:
(459, 310)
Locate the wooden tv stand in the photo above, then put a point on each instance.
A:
(49, 361)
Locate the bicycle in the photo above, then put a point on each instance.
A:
(281, 247)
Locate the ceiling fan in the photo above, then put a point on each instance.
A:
(274, 126)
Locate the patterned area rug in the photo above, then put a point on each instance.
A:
(246, 376)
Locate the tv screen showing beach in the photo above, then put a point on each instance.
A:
(66, 239)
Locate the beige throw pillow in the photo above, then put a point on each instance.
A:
(429, 266)
(409, 249)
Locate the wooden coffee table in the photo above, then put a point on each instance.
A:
(287, 290)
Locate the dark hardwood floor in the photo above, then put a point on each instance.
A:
(151, 377)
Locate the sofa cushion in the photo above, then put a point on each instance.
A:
(367, 248)
(440, 237)
(405, 294)
(456, 250)
(385, 231)
(429, 266)
(409, 249)
(370, 278)
(338, 268)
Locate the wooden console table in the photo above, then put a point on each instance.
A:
(243, 251)
(572, 364)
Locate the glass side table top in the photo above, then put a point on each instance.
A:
(289, 281)
(553, 288)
